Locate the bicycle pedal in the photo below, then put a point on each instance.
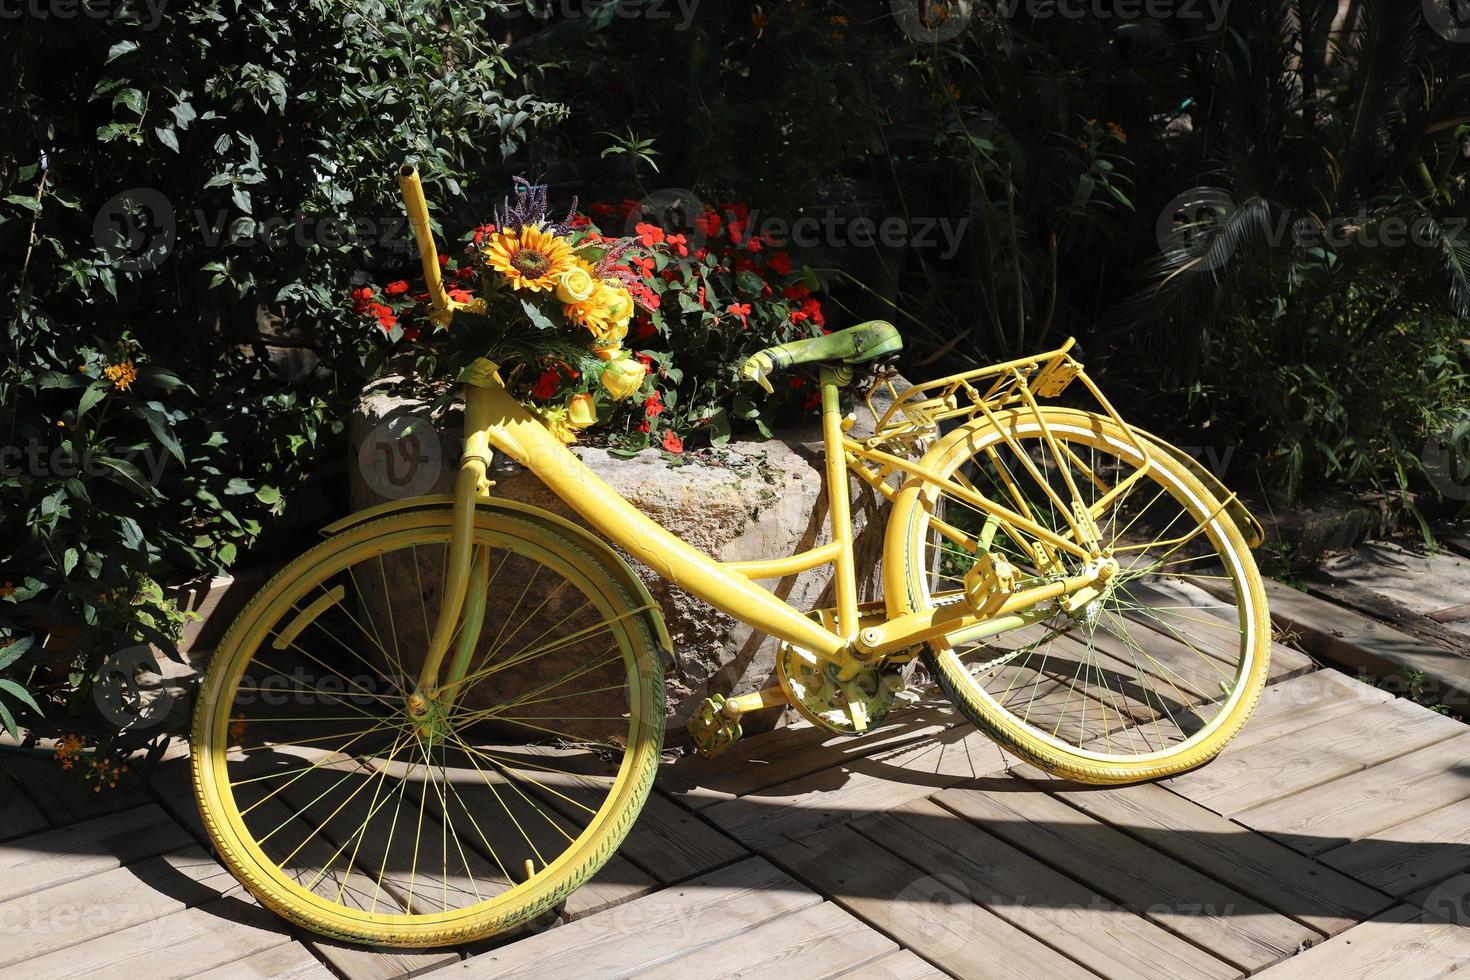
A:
(713, 732)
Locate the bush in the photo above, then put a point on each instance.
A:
(179, 197)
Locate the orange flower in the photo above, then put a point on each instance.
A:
(673, 443)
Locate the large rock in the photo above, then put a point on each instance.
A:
(750, 499)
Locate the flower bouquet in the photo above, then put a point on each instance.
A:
(549, 301)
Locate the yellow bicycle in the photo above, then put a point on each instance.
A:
(440, 721)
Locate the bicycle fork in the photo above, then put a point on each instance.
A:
(462, 607)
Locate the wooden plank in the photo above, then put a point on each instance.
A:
(930, 914)
(85, 909)
(1214, 916)
(1269, 872)
(1289, 764)
(649, 930)
(1399, 943)
(1162, 594)
(172, 782)
(18, 815)
(65, 796)
(1447, 901)
(1409, 855)
(91, 847)
(288, 961)
(818, 941)
(1355, 806)
(867, 785)
(902, 965)
(1069, 916)
(176, 946)
(1351, 639)
(789, 753)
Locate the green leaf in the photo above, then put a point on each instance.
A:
(130, 97)
(95, 392)
(69, 561)
(538, 319)
(8, 721)
(166, 136)
(21, 695)
(29, 203)
(12, 653)
(119, 49)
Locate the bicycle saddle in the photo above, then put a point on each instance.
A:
(855, 345)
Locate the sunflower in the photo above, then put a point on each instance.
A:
(530, 257)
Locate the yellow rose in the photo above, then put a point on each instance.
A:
(623, 377)
(608, 351)
(555, 420)
(575, 285)
(581, 412)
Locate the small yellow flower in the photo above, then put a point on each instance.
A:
(576, 285)
(837, 20)
(69, 749)
(555, 419)
(1118, 133)
(605, 313)
(121, 375)
(581, 411)
(531, 258)
(623, 377)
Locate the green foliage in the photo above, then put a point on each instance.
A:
(178, 197)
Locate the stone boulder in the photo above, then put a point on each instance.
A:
(749, 499)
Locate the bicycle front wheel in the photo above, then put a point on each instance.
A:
(1151, 677)
(348, 814)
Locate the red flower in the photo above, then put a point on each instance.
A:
(673, 443)
(754, 244)
(443, 261)
(813, 401)
(737, 230)
(645, 329)
(798, 292)
(653, 405)
(645, 360)
(627, 207)
(678, 243)
(743, 264)
(643, 426)
(780, 263)
(464, 273)
(708, 224)
(361, 299)
(580, 221)
(740, 210)
(386, 318)
(601, 210)
(648, 235)
(411, 333)
(700, 297)
(742, 310)
(644, 264)
(396, 288)
(481, 232)
(813, 309)
(460, 296)
(546, 385)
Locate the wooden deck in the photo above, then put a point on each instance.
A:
(1331, 839)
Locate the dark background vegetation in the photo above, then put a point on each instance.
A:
(1317, 364)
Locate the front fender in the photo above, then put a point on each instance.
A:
(613, 562)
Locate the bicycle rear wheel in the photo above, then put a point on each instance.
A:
(344, 813)
(1152, 677)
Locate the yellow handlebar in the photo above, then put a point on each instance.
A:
(418, 218)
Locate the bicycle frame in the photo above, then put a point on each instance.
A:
(495, 421)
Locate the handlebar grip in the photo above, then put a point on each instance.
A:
(418, 219)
